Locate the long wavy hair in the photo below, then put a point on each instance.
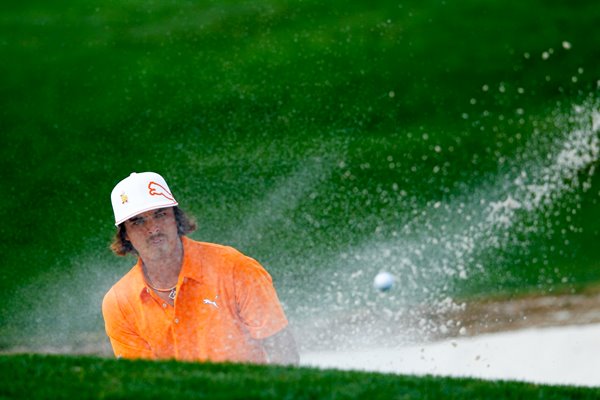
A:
(121, 246)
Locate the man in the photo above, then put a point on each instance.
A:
(185, 299)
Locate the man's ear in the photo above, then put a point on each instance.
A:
(125, 235)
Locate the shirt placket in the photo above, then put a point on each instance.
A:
(168, 314)
(176, 318)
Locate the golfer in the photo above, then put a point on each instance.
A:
(183, 299)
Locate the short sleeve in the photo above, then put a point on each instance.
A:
(258, 305)
(126, 343)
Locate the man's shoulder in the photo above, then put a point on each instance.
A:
(128, 284)
(207, 249)
(218, 258)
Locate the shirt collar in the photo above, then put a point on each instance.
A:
(192, 264)
(139, 281)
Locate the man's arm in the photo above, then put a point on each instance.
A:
(125, 342)
(281, 348)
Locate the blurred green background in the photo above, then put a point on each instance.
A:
(328, 140)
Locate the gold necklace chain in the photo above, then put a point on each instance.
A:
(161, 290)
(171, 290)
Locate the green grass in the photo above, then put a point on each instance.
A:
(59, 377)
(302, 132)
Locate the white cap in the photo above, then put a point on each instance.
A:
(139, 193)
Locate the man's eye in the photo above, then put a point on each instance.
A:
(137, 222)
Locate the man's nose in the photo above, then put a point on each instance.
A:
(152, 227)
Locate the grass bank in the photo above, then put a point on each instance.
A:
(59, 377)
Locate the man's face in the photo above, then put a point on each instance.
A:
(153, 233)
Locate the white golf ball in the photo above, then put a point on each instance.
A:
(383, 281)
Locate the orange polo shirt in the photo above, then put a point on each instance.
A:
(225, 305)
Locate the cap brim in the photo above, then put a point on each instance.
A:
(154, 207)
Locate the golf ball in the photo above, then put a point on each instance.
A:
(383, 281)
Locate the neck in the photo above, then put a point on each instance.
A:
(164, 272)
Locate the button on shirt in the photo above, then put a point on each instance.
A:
(225, 305)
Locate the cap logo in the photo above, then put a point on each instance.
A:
(155, 189)
(124, 198)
